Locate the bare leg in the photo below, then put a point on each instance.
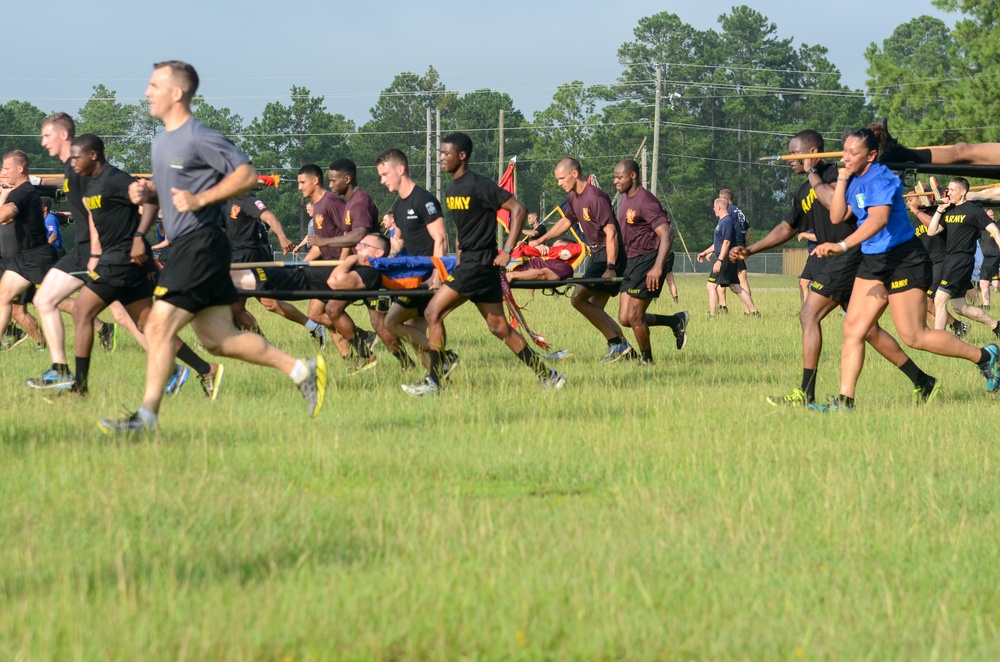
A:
(591, 305)
(56, 287)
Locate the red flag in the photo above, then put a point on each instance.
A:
(508, 183)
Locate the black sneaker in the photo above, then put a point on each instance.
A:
(680, 332)
(927, 391)
(108, 336)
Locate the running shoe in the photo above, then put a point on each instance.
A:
(42, 346)
(680, 332)
(554, 382)
(313, 387)
(451, 361)
(927, 391)
(961, 329)
(210, 381)
(177, 380)
(108, 336)
(363, 363)
(988, 369)
(797, 398)
(723, 310)
(426, 387)
(617, 352)
(319, 333)
(16, 337)
(835, 406)
(51, 380)
(645, 363)
(128, 425)
(370, 339)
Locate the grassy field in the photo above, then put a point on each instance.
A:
(658, 513)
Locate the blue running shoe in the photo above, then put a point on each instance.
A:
(51, 379)
(177, 380)
(988, 369)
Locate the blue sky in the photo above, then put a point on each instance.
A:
(252, 52)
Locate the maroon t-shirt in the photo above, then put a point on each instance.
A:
(592, 210)
(361, 212)
(561, 269)
(328, 222)
(640, 215)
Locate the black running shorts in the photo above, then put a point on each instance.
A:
(197, 276)
(634, 284)
(899, 269)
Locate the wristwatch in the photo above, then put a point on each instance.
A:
(812, 171)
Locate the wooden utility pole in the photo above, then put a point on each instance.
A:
(645, 178)
(656, 131)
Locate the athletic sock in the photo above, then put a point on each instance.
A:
(647, 354)
(915, 374)
(200, 365)
(61, 368)
(984, 357)
(846, 401)
(435, 366)
(533, 361)
(299, 372)
(82, 372)
(401, 356)
(147, 417)
(311, 325)
(661, 320)
(809, 383)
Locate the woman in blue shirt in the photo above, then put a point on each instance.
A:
(895, 269)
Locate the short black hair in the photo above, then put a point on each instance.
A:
(461, 141)
(961, 181)
(46, 202)
(90, 142)
(346, 166)
(630, 166)
(312, 169)
(394, 156)
(809, 139)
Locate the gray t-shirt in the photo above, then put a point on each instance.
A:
(191, 158)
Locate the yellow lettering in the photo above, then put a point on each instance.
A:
(954, 218)
(458, 202)
(92, 201)
(93, 275)
(808, 202)
(896, 284)
(261, 275)
(159, 291)
(816, 286)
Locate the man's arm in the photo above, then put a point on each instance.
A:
(781, 233)
(236, 183)
(559, 229)
(878, 218)
(611, 244)
(8, 210)
(271, 221)
(666, 244)
(518, 212)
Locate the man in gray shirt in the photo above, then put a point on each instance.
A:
(195, 169)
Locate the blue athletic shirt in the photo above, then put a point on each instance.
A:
(880, 186)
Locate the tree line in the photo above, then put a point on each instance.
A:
(727, 96)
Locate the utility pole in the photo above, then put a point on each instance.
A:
(656, 131)
(645, 172)
(437, 178)
(428, 151)
(500, 138)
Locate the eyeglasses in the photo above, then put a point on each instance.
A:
(361, 243)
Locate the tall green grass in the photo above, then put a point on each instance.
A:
(658, 513)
